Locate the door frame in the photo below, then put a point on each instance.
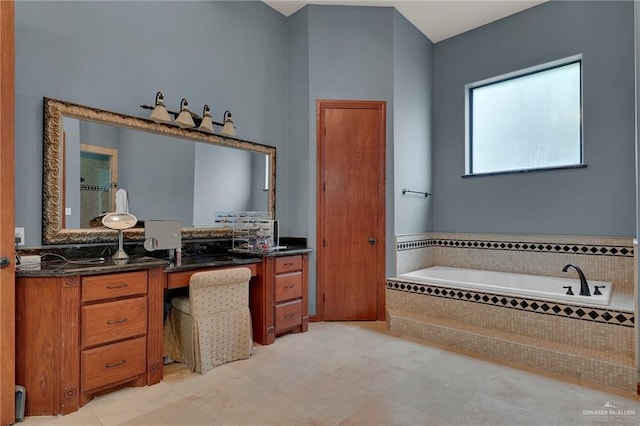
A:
(381, 106)
(7, 213)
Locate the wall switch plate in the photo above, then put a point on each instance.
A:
(20, 236)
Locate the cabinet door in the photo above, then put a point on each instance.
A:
(113, 285)
(288, 264)
(110, 364)
(288, 315)
(111, 321)
(288, 286)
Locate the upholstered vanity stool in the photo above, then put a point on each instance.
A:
(212, 325)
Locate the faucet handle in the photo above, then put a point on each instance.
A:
(597, 288)
(569, 290)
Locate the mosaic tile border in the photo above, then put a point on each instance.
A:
(528, 246)
(583, 313)
(416, 244)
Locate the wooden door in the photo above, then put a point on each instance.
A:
(351, 210)
(7, 215)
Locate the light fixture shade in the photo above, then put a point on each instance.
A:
(206, 125)
(184, 119)
(228, 128)
(159, 113)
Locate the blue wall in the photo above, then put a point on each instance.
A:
(412, 77)
(354, 53)
(299, 153)
(117, 55)
(269, 70)
(242, 56)
(597, 200)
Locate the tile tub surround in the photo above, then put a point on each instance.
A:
(609, 259)
(590, 351)
(543, 335)
(579, 326)
(413, 252)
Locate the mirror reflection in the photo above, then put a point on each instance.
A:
(165, 178)
(98, 185)
(168, 173)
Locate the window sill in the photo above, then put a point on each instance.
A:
(541, 169)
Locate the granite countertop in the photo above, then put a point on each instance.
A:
(203, 261)
(59, 267)
(233, 257)
(284, 251)
(288, 251)
(62, 267)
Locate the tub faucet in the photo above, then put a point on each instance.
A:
(584, 287)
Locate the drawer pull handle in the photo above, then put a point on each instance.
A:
(120, 321)
(116, 364)
(111, 287)
(291, 286)
(288, 316)
(288, 264)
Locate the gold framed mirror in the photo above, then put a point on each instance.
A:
(59, 174)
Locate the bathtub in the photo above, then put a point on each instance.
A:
(506, 283)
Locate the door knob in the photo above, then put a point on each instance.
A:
(4, 262)
(372, 240)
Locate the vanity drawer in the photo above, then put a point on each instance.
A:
(288, 264)
(181, 279)
(288, 315)
(113, 285)
(288, 286)
(110, 321)
(112, 363)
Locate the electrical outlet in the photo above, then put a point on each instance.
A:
(30, 262)
(20, 236)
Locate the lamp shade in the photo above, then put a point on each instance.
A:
(184, 119)
(119, 220)
(159, 113)
(206, 125)
(228, 128)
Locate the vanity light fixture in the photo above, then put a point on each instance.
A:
(228, 128)
(184, 119)
(160, 114)
(207, 122)
(187, 119)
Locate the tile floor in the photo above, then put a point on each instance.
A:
(355, 374)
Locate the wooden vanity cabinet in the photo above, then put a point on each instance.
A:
(113, 318)
(278, 298)
(80, 336)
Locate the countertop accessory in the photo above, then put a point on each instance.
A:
(162, 234)
(120, 222)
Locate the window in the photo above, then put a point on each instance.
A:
(529, 120)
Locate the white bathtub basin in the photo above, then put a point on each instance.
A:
(534, 286)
